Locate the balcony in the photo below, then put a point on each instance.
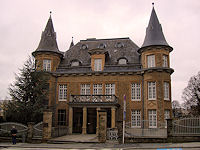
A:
(93, 99)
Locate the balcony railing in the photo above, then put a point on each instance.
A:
(93, 99)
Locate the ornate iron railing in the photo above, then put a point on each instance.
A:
(93, 99)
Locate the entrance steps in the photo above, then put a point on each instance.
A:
(75, 138)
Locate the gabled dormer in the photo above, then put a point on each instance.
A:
(98, 57)
(47, 55)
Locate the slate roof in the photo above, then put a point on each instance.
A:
(154, 34)
(48, 41)
(115, 49)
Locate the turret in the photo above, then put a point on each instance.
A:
(157, 73)
(47, 55)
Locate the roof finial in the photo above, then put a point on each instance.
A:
(50, 14)
(153, 4)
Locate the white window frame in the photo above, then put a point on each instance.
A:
(97, 89)
(135, 91)
(109, 90)
(166, 90)
(97, 64)
(47, 65)
(152, 118)
(135, 119)
(166, 116)
(151, 90)
(62, 95)
(150, 61)
(165, 61)
(85, 89)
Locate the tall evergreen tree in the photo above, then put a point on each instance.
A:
(29, 95)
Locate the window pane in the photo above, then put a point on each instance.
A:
(135, 91)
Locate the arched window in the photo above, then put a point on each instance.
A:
(122, 61)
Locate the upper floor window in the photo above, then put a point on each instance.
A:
(165, 62)
(151, 90)
(166, 91)
(135, 91)
(97, 64)
(62, 92)
(84, 46)
(85, 89)
(97, 89)
(152, 118)
(47, 65)
(150, 61)
(136, 118)
(110, 90)
(122, 61)
(102, 46)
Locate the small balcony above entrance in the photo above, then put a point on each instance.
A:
(93, 99)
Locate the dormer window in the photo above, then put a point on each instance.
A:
(47, 65)
(102, 46)
(119, 45)
(84, 46)
(122, 61)
(98, 64)
(74, 63)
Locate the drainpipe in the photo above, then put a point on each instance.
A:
(143, 100)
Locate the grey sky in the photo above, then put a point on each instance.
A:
(22, 22)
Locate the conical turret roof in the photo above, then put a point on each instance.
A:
(48, 41)
(154, 33)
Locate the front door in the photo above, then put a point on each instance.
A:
(91, 120)
(77, 120)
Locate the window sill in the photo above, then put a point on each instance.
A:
(135, 100)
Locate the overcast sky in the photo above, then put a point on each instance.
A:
(22, 22)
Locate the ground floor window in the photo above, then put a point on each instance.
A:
(61, 117)
(152, 119)
(135, 118)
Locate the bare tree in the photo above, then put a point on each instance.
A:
(191, 95)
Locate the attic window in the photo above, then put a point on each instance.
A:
(84, 46)
(119, 45)
(102, 46)
(122, 61)
(75, 63)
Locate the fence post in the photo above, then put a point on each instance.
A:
(30, 132)
(169, 128)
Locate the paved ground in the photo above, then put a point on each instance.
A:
(144, 146)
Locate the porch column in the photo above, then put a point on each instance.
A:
(113, 109)
(97, 128)
(84, 131)
(70, 119)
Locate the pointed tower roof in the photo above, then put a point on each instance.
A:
(48, 41)
(154, 34)
(72, 43)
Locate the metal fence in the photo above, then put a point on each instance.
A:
(186, 126)
(144, 131)
(112, 133)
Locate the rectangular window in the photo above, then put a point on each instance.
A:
(85, 89)
(47, 65)
(152, 119)
(150, 61)
(110, 90)
(63, 92)
(97, 64)
(97, 89)
(136, 118)
(166, 91)
(167, 116)
(135, 92)
(151, 90)
(165, 62)
(61, 117)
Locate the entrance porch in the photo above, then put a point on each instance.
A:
(84, 116)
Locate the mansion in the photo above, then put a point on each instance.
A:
(100, 74)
